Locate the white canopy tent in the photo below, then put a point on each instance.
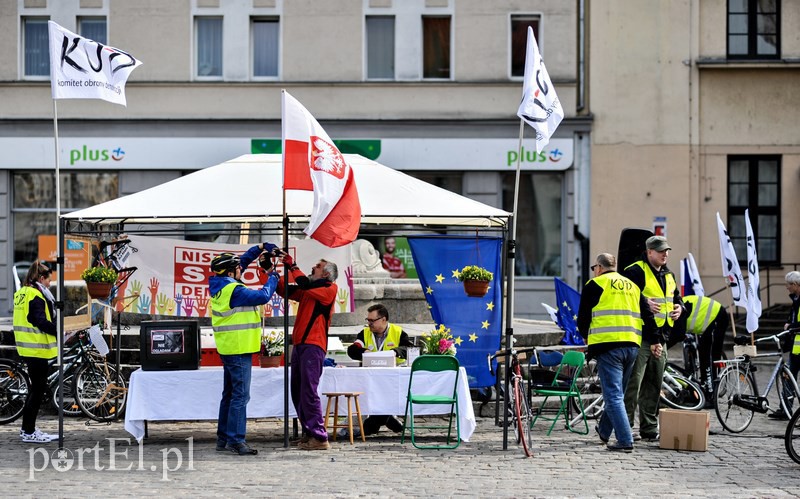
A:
(248, 189)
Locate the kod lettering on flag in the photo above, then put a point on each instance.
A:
(81, 68)
(540, 107)
(753, 280)
(730, 266)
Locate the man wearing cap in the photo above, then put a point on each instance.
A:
(660, 294)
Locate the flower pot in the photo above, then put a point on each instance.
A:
(476, 289)
(99, 290)
(271, 361)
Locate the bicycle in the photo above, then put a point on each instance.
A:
(792, 437)
(518, 408)
(736, 395)
(691, 360)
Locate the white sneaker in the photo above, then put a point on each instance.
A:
(37, 436)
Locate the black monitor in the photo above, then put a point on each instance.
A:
(169, 345)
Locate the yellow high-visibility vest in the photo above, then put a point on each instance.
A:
(704, 310)
(653, 290)
(31, 341)
(236, 330)
(616, 317)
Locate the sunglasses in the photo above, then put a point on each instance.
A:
(594, 266)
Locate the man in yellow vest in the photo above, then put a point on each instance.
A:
(660, 294)
(793, 322)
(609, 320)
(35, 336)
(380, 336)
(236, 320)
(706, 319)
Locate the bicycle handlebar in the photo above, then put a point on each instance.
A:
(114, 242)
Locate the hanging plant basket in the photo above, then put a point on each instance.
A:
(99, 290)
(475, 288)
(274, 361)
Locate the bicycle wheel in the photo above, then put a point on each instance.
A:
(678, 392)
(100, 391)
(787, 387)
(522, 428)
(733, 383)
(591, 393)
(14, 385)
(792, 437)
(70, 404)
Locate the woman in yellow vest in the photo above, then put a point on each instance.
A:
(35, 336)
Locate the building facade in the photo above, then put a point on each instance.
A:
(695, 106)
(428, 87)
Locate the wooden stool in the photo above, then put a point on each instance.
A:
(334, 396)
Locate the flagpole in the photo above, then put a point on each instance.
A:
(59, 262)
(285, 246)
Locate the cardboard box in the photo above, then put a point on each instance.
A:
(683, 430)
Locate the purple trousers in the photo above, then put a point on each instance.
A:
(305, 375)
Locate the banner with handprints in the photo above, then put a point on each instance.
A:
(172, 276)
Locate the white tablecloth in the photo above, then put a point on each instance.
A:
(195, 395)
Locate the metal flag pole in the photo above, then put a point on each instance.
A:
(60, 266)
(285, 246)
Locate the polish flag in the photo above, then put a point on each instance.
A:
(312, 163)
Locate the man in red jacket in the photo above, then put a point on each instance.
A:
(317, 295)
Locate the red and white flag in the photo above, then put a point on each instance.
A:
(730, 266)
(311, 162)
(540, 107)
(81, 68)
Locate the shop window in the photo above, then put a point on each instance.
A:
(266, 50)
(208, 40)
(754, 29)
(519, 41)
(436, 47)
(380, 47)
(34, 204)
(35, 46)
(754, 184)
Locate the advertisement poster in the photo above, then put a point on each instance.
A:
(77, 255)
(396, 258)
(171, 276)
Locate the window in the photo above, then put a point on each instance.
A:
(539, 217)
(93, 28)
(34, 207)
(209, 46)
(380, 47)
(754, 29)
(436, 47)
(754, 184)
(266, 35)
(35, 46)
(519, 41)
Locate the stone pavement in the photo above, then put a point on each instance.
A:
(179, 460)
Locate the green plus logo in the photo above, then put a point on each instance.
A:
(84, 154)
(370, 149)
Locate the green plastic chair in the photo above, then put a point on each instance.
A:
(436, 364)
(572, 361)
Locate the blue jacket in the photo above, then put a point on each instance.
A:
(244, 296)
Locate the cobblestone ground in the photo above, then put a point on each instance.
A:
(179, 459)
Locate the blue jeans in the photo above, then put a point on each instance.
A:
(614, 368)
(232, 421)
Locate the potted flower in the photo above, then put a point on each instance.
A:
(271, 348)
(476, 280)
(99, 281)
(439, 342)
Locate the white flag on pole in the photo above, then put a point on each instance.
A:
(84, 69)
(730, 266)
(694, 275)
(540, 107)
(753, 297)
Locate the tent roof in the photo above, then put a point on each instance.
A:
(248, 189)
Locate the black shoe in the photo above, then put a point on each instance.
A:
(243, 449)
(597, 430)
(222, 445)
(394, 424)
(650, 438)
(779, 415)
(618, 447)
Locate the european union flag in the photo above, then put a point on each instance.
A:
(568, 301)
(475, 323)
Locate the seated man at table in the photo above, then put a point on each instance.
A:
(380, 335)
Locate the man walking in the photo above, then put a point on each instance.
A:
(610, 322)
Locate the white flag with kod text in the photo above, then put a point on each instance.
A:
(753, 281)
(730, 266)
(540, 107)
(81, 68)
(694, 275)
